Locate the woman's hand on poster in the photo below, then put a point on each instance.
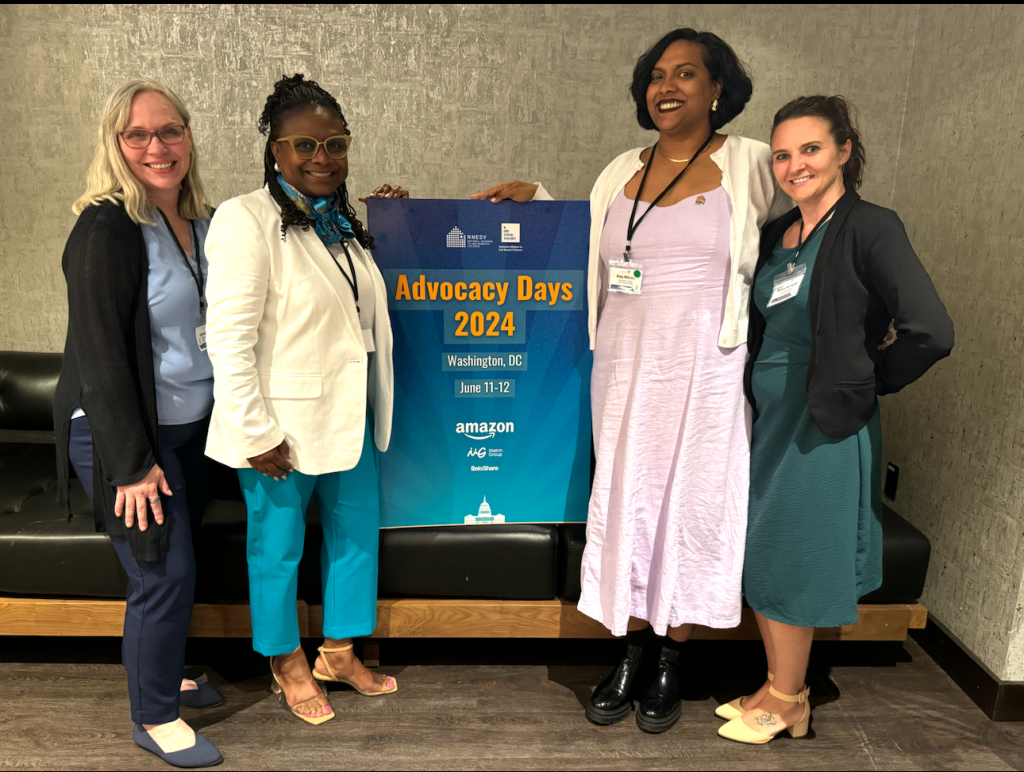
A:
(276, 462)
(132, 499)
(387, 191)
(517, 190)
(890, 337)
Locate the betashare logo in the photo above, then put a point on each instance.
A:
(456, 238)
(484, 430)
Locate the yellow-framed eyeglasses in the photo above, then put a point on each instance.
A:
(307, 147)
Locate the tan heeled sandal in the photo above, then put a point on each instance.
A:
(391, 683)
(299, 709)
(734, 709)
(738, 731)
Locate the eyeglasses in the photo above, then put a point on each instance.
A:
(139, 139)
(307, 147)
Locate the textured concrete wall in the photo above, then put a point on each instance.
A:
(444, 99)
(958, 434)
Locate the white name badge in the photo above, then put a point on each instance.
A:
(787, 284)
(200, 325)
(625, 276)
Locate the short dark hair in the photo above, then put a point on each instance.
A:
(722, 64)
(291, 94)
(837, 112)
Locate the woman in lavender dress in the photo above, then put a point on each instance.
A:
(668, 325)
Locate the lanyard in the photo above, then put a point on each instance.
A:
(631, 228)
(354, 281)
(800, 242)
(195, 247)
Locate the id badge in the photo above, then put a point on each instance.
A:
(787, 285)
(200, 325)
(625, 276)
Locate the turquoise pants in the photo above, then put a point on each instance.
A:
(349, 505)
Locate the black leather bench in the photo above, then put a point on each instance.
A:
(43, 553)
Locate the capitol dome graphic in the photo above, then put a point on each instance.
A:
(484, 516)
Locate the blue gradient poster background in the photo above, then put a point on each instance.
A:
(492, 361)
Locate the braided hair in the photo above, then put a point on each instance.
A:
(290, 94)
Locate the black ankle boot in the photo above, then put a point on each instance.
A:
(660, 707)
(613, 698)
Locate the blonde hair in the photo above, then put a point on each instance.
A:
(110, 179)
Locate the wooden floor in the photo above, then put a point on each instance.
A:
(518, 705)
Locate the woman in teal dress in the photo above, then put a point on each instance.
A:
(803, 482)
(833, 275)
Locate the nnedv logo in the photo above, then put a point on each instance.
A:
(484, 431)
(456, 239)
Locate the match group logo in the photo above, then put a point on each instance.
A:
(485, 452)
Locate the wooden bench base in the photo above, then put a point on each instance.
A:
(422, 618)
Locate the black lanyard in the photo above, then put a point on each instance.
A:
(631, 228)
(800, 241)
(195, 248)
(354, 281)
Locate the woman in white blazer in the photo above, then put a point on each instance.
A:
(300, 340)
(674, 238)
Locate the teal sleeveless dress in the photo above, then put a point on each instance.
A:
(814, 533)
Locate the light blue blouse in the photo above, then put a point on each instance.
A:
(184, 375)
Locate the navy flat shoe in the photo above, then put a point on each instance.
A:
(203, 697)
(203, 754)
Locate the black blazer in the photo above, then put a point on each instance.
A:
(108, 366)
(865, 275)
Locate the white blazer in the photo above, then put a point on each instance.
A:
(748, 179)
(284, 338)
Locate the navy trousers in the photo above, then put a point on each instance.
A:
(160, 593)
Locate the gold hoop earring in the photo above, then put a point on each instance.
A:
(714, 106)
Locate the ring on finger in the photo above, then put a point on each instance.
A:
(154, 499)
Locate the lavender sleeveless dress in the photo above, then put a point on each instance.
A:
(668, 509)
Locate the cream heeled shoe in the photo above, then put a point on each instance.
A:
(734, 709)
(391, 685)
(299, 709)
(738, 731)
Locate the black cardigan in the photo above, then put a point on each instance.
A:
(865, 275)
(108, 366)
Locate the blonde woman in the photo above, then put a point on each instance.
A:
(135, 393)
